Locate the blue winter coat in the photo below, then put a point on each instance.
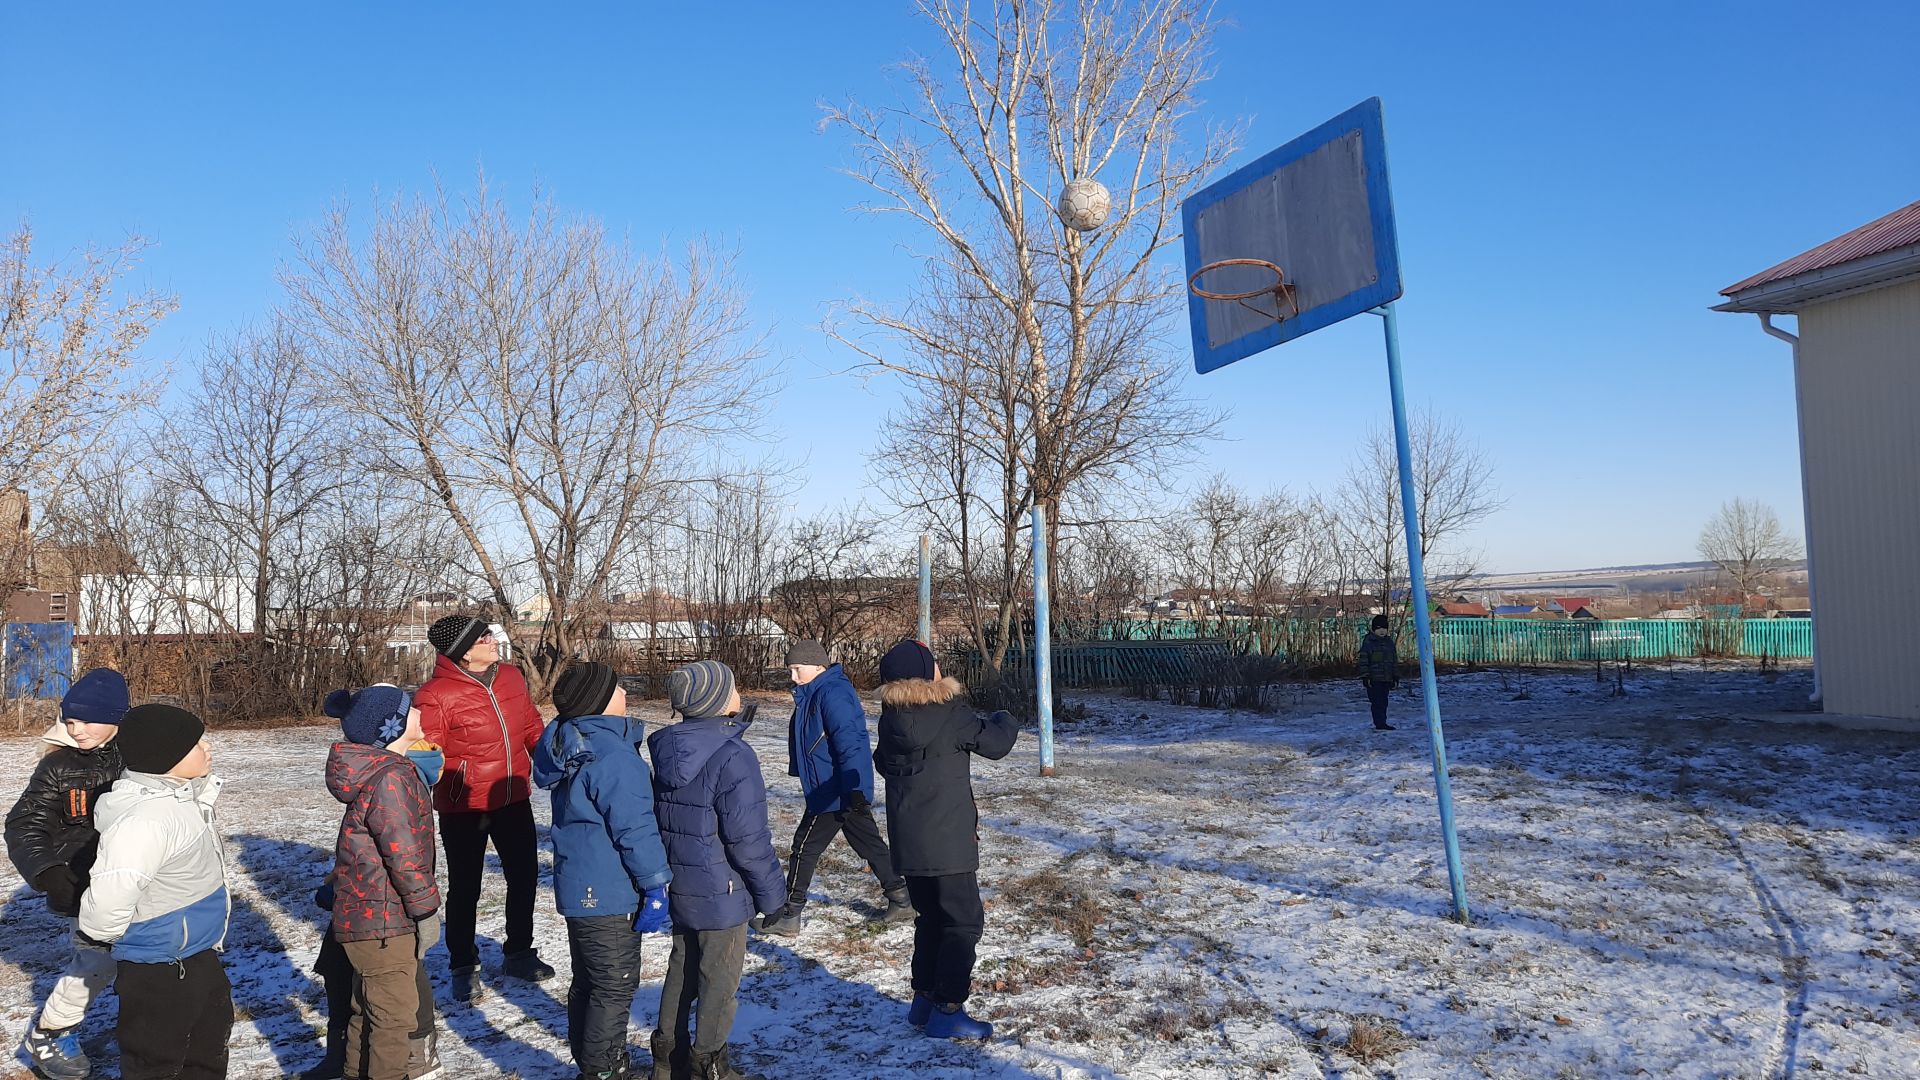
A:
(606, 842)
(827, 744)
(712, 805)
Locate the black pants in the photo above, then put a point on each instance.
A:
(464, 835)
(174, 1018)
(945, 934)
(816, 831)
(704, 967)
(606, 974)
(336, 974)
(1377, 697)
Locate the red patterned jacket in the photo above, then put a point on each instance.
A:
(383, 862)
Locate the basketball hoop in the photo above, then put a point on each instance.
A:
(1285, 303)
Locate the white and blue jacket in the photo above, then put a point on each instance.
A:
(159, 888)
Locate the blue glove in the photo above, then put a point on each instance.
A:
(323, 896)
(429, 762)
(652, 916)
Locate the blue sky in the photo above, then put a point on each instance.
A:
(1574, 185)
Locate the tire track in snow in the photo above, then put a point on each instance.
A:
(1783, 1054)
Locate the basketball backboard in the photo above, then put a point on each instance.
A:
(1319, 209)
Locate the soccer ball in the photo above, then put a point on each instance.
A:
(1084, 205)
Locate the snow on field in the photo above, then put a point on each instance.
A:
(1661, 887)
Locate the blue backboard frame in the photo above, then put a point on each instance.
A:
(1367, 119)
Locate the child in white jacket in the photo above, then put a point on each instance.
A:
(158, 897)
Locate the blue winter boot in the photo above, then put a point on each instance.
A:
(952, 1022)
(921, 1008)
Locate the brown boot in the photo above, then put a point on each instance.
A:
(671, 1060)
(715, 1066)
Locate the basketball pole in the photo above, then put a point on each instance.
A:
(1422, 624)
(1042, 640)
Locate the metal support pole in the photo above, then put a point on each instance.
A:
(1042, 640)
(926, 590)
(1423, 628)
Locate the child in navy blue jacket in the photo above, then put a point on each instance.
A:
(712, 804)
(610, 872)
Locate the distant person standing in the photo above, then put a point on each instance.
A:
(1379, 669)
(828, 748)
(479, 711)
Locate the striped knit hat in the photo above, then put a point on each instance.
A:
(700, 689)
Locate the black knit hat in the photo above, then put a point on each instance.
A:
(585, 689)
(1380, 622)
(808, 652)
(155, 738)
(452, 636)
(907, 660)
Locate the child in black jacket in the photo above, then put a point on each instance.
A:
(51, 840)
(929, 734)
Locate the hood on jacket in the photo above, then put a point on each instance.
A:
(351, 767)
(57, 735)
(682, 750)
(134, 788)
(905, 693)
(568, 745)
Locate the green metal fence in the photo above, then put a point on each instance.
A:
(1495, 641)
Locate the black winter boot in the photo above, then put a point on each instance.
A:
(334, 1065)
(899, 908)
(526, 966)
(715, 1066)
(671, 1060)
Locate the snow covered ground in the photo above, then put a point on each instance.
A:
(1661, 887)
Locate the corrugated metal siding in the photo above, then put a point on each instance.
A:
(1860, 402)
(1895, 230)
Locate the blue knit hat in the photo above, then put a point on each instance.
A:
(98, 697)
(700, 689)
(372, 717)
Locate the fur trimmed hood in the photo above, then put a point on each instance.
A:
(906, 693)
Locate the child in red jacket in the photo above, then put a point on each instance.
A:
(386, 904)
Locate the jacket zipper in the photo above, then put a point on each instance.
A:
(506, 740)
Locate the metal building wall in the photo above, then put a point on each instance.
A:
(1860, 405)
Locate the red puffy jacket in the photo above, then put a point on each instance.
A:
(488, 736)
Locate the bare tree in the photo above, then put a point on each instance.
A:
(1199, 540)
(547, 387)
(1745, 540)
(69, 337)
(838, 579)
(1453, 489)
(254, 451)
(1046, 336)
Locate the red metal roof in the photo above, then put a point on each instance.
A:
(1896, 230)
(1571, 604)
